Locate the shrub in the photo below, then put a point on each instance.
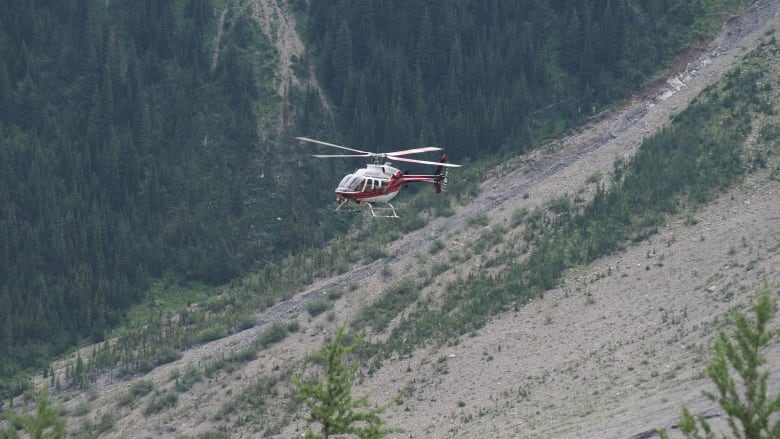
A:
(518, 215)
(165, 355)
(480, 219)
(161, 402)
(382, 311)
(276, 332)
(317, 306)
(375, 251)
(335, 293)
(211, 333)
(561, 204)
(293, 326)
(595, 177)
(185, 382)
(106, 424)
(137, 390)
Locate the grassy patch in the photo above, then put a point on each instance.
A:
(137, 390)
(275, 333)
(251, 400)
(165, 297)
(317, 306)
(393, 301)
(161, 401)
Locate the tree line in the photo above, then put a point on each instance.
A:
(485, 76)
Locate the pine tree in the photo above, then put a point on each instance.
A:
(330, 399)
(46, 422)
(342, 57)
(425, 48)
(743, 396)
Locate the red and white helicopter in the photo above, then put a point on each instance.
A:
(380, 183)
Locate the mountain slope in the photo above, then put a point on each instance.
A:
(605, 355)
(146, 144)
(613, 351)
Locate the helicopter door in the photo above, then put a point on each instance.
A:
(378, 185)
(358, 184)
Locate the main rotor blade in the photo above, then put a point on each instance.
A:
(340, 155)
(306, 139)
(424, 162)
(413, 151)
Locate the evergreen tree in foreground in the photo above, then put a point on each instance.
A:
(330, 399)
(742, 395)
(46, 422)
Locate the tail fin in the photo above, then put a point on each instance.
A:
(437, 186)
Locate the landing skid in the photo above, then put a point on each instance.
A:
(375, 212)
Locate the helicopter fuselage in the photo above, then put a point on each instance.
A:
(379, 184)
(372, 184)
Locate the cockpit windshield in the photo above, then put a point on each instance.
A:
(351, 182)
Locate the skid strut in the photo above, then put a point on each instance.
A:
(374, 211)
(382, 212)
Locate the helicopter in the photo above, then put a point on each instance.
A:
(381, 182)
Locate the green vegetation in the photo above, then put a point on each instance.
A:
(104, 425)
(437, 246)
(329, 398)
(738, 371)
(518, 216)
(479, 219)
(46, 422)
(698, 156)
(489, 237)
(160, 401)
(137, 390)
(397, 297)
(595, 177)
(183, 383)
(317, 306)
(252, 399)
(225, 362)
(276, 332)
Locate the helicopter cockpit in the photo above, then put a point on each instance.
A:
(359, 183)
(349, 183)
